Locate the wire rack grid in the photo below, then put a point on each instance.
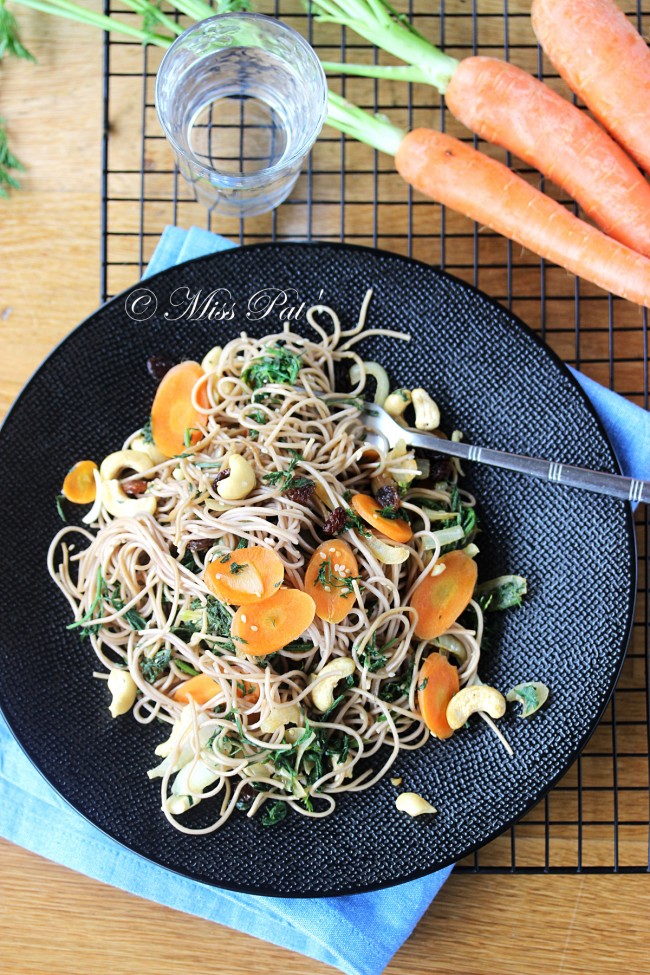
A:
(597, 818)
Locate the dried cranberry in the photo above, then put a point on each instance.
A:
(301, 494)
(134, 488)
(200, 544)
(221, 476)
(388, 496)
(159, 365)
(335, 522)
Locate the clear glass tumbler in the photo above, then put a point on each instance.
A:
(241, 98)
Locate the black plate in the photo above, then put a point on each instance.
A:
(495, 381)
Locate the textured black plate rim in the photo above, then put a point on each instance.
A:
(630, 532)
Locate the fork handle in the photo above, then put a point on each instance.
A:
(615, 485)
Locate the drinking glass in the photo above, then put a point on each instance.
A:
(241, 98)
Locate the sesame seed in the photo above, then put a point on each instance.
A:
(322, 555)
(243, 619)
(326, 588)
(254, 629)
(332, 549)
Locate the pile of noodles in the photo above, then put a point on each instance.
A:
(146, 560)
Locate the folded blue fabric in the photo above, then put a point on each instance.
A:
(358, 934)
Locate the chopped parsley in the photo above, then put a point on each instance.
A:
(374, 657)
(236, 567)
(242, 543)
(325, 577)
(153, 667)
(275, 813)
(186, 668)
(286, 480)
(147, 434)
(277, 365)
(259, 417)
(394, 514)
(501, 593)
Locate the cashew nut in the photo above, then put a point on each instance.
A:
(210, 361)
(396, 404)
(388, 553)
(143, 447)
(469, 700)
(324, 682)
(120, 506)
(281, 715)
(240, 482)
(413, 804)
(427, 414)
(123, 690)
(113, 465)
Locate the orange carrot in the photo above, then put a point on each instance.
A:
(79, 483)
(483, 189)
(507, 106)
(201, 688)
(325, 580)
(246, 576)
(396, 528)
(437, 684)
(174, 421)
(440, 599)
(272, 623)
(602, 57)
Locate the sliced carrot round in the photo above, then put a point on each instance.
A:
(174, 421)
(327, 580)
(200, 688)
(79, 484)
(396, 528)
(272, 623)
(246, 576)
(437, 683)
(440, 599)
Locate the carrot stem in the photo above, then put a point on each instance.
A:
(393, 72)
(380, 24)
(374, 131)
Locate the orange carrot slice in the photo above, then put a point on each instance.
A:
(245, 576)
(439, 600)
(437, 684)
(396, 528)
(272, 623)
(174, 421)
(201, 688)
(79, 484)
(327, 580)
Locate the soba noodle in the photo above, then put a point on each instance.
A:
(136, 589)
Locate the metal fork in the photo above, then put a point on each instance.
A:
(378, 421)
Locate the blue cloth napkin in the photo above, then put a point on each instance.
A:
(357, 934)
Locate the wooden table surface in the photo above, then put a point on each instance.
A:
(56, 922)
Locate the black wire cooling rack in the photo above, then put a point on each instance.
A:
(597, 818)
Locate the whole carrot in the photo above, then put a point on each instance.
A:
(507, 106)
(483, 189)
(605, 61)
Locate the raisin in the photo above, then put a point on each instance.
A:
(335, 522)
(200, 544)
(388, 496)
(159, 365)
(134, 488)
(441, 467)
(221, 476)
(246, 797)
(301, 494)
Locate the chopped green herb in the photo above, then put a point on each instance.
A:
(225, 558)
(422, 686)
(189, 562)
(259, 417)
(242, 543)
(283, 479)
(504, 592)
(531, 695)
(275, 813)
(354, 523)
(187, 436)
(153, 667)
(254, 435)
(394, 514)
(147, 434)
(236, 567)
(373, 656)
(59, 506)
(392, 690)
(277, 365)
(298, 646)
(325, 577)
(187, 668)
